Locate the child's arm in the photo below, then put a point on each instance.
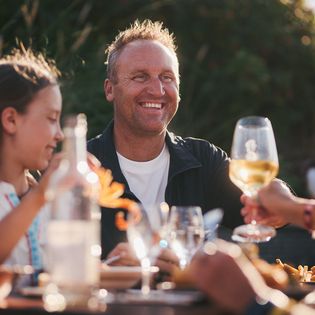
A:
(16, 223)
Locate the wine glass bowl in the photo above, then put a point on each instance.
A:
(186, 231)
(254, 163)
(143, 235)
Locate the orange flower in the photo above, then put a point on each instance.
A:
(109, 197)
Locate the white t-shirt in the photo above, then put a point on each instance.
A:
(22, 253)
(147, 180)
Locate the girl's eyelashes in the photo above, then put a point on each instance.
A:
(52, 119)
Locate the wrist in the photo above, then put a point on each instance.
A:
(37, 197)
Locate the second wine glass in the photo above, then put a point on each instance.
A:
(254, 163)
(143, 234)
(186, 232)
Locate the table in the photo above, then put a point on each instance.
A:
(15, 305)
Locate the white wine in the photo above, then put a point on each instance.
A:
(250, 176)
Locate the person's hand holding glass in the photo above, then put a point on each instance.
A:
(186, 232)
(254, 163)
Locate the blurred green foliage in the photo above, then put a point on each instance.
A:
(236, 58)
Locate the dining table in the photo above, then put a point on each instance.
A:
(16, 304)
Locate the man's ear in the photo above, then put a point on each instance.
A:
(109, 90)
(9, 120)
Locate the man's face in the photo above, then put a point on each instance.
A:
(146, 93)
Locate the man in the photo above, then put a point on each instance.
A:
(154, 164)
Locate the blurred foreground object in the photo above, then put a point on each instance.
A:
(109, 196)
(73, 249)
(310, 181)
(8, 277)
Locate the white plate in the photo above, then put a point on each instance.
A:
(121, 277)
(32, 291)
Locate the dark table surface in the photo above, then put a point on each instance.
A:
(19, 305)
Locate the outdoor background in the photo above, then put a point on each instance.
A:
(237, 58)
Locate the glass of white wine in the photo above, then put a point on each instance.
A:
(254, 163)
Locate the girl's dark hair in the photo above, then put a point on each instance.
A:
(22, 74)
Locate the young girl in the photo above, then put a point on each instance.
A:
(30, 107)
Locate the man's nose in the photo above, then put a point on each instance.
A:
(156, 87)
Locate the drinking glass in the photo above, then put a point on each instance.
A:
(254, 163)
(186, 232)
(144, 235)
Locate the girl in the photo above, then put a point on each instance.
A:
(30, 107)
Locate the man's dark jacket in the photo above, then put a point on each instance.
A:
(198, 175)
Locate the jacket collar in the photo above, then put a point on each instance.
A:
(181, 158)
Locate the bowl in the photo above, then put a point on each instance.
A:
(121, 277)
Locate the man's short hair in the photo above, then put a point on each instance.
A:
(146, 30)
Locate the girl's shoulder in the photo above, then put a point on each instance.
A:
(8, 198)
(6, 188)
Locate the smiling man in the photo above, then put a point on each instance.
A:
(154, 164)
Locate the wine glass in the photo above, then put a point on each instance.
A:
(254, 163)
(186, 232)
(143, 235)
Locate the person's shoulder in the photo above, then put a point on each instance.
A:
(94, 143)
(6, 188)
(201, 146)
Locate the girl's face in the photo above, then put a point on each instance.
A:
(38, 129)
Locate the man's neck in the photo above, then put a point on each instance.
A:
(139, 149)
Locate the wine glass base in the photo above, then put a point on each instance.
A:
(253, 233)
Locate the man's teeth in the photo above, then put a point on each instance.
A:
(152, 105)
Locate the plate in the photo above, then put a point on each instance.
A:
(11, 277)
(172, 297)
(32, 291)
(121, 277)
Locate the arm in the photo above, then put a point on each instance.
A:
(16, 223)
(231, 280)
(227, 277)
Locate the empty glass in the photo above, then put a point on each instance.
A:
(186, 232)
(144, 235)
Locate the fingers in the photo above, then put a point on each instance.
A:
(53, 165)
(165, 266)
(127, 256)
(169, 255)
(167, 261)
(93, 161)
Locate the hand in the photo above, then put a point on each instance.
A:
(39, 189)
(223, 279)
(167, 261)
(127, 256)
(93, 161)
(268, 207)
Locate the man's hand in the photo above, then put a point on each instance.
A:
(126, 254)
(166, 261)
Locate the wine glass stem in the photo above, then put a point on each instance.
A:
(254, 213)
(145, 267)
